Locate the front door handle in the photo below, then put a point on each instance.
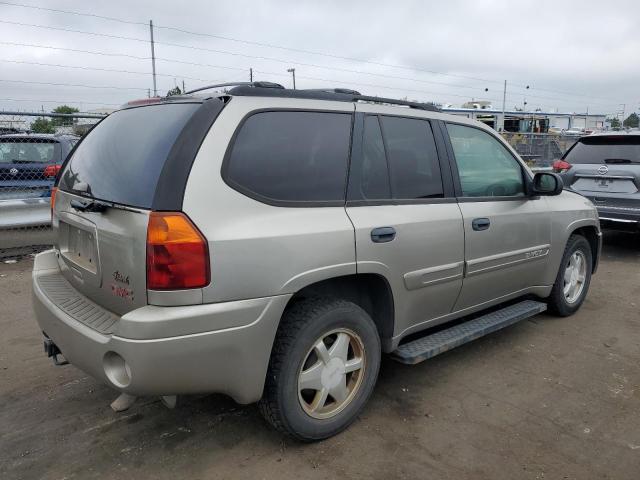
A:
(481, 224)
(383, 234)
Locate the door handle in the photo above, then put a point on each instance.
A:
(383, 234)
(481, 224)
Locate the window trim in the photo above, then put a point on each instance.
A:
(446, 176)
(526, 179)
(224, 169)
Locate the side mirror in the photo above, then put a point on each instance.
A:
(547, 183)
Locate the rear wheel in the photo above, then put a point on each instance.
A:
(322, 370)
(574, 277)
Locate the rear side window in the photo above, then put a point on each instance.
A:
(605, 149)
(121, 159)
(291, 156)
(413, 158)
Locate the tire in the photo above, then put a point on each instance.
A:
(564, 303)
(296, 349)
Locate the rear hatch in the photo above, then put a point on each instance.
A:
(604, 164)
(23, 161)
(106, 191)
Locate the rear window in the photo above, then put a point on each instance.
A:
(29, 150)
(599, 149)
(291, 156)
(121, 159)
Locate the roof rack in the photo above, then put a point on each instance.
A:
(255, 89)
(237, 84)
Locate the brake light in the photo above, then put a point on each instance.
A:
(54, 190)
(560, 166)
(177, 253)
(51, 170)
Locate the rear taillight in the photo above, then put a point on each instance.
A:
(177, 253)
(54, 190)
(51, 170)
(560, 166)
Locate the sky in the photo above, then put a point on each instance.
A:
(573, 56)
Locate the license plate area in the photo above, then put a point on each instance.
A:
(81, 248)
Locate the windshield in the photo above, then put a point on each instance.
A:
(605, 149)
(121, 159)
(28, 151)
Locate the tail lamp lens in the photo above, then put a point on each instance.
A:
(177, 253)
(54, 190)
(560, 166)
(51, 170)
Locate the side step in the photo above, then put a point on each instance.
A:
(431, 345)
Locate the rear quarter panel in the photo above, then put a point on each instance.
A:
(259, 250)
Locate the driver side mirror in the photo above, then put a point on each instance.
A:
(547, 183)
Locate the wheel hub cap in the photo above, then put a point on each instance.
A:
(574, 277)
(331, 373)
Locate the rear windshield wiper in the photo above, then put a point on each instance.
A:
(88, 206)
(619, 161)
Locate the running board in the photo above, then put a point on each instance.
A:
(429, 346)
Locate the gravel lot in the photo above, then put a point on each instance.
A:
(547, 398)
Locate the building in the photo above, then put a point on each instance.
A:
(536, 122)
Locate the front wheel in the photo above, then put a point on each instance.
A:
(323, 368)
(574, 277)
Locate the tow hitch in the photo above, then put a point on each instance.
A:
(52, 350)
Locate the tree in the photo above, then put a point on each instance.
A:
(615, 123)
(632, 121)
(66, 109)
(174, 91)
(42, 125)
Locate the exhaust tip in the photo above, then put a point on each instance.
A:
(117, 369)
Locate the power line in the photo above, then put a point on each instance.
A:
(107, 70)
(58, 101)
(281, 60)
(100, 87)
(298, 50)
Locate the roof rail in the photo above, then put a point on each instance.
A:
(237, 84)
(335, 94)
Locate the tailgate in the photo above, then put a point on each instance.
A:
(103, 254)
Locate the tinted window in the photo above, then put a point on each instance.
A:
(121, 159)
(413, 158)
(598, 149)
(292, 156)
(374, 183)
(485, 166)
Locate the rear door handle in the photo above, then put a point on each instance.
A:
(481, 224)
(383, 234)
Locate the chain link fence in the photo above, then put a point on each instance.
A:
(540, 150)
(32, 148)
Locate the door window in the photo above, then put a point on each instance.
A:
(486, 168)
(413, 158)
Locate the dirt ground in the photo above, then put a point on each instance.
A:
(548, 398)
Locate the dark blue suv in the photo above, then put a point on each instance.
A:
(28, 166)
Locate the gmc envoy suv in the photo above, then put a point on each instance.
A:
(271, 244)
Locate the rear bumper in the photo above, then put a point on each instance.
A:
(232, 360)
(619, 217)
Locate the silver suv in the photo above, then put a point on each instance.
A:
(606, 169)
(271, 244)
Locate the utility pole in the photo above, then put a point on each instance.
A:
(504, 101)
(292, 71)
(184, 89)
(250, 74)
(153, 60)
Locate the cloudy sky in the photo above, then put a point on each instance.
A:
(572, 55)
